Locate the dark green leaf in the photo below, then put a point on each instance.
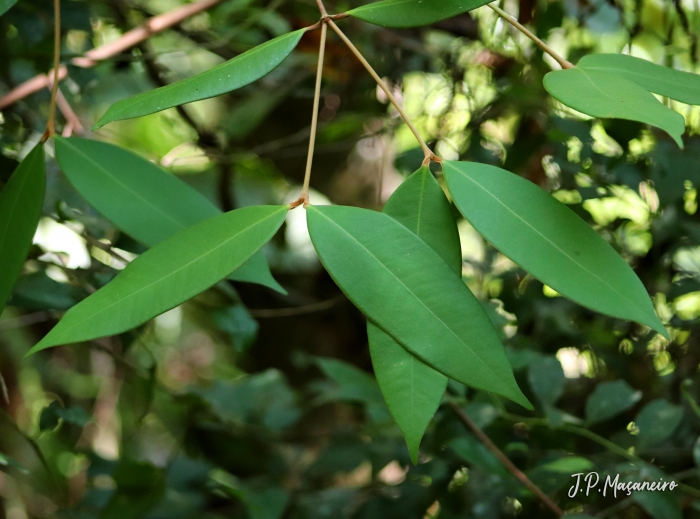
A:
(413, 13)
(430, 311)
(37, 291)
(142, 199)
(602, 94)
(656, 421)
(549, 240)
(610, 399)
(237, 322)
(169, 274)
(547, 379)
(21, 201)
(412, 389)
(236, 73)
(50, 416)
(5, 5)
(140, 487)
(665, 81)
(354, 384)
(660, 505)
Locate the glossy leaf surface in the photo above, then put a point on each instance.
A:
(549, 240)
(602, 94)
(169, 274)
(413, 13)
(21, 201)
(411, 388)
(665, 81)
(236, 73)
(142, 199)
(5, 5)
(404, 286)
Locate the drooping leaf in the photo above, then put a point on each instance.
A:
(413, 13)
(610, 399)
(665, 81)
(236, 73)
(412, 389)
(656, 421)
(141, 199)
(403, 285)
(169, 274)
(21, 201)
(5, 5)
(549, 240)
(603, 94)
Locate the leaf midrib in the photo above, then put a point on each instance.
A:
(414, 296)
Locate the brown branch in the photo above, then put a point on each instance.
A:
(50, 125)
(466, 420)
(93, 57)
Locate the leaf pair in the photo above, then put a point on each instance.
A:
(141, 199)
(621, 86)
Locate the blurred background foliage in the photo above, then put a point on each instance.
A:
(247, 403)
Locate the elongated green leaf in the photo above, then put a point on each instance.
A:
(411, 388)
(603, 94)
(665, 81)
(413, 13)
(549, 240)
(141, 199)
(405, 287)
(236, 73)
(5, 5)
(169, 274)
(20, 208)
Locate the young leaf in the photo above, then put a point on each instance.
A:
(603, 94)
(665, 81)
(405, 287)
(236, 73)
(21, 201)
(413, 13)
(549, 240)
(141, 199)
(169, 274)
(5, 5)
(412, 389)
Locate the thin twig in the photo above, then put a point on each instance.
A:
(466, 420)
(50, 125)
(542, 45)
(314, 118)
(93, 57)
(299, 310)
(321, 8)
(428, 154)
(73, 124)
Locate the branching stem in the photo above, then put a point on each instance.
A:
(50, 125)
(429, 155)
(542, 45)
(466, 420)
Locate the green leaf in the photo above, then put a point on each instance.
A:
(603, 94)
(549, 240)
(50, 416)
(659, 505)
(570, 465)
(142, 199)
(240, 326)
(6, 5)
(656, 421)
(21, 201)
(547, 380)
(140, 487)
(169, 274)
(354, 384)
(412, 389)
(236, 73)
(665, 81)
(610, 399)
(413, 13)
(404, 286)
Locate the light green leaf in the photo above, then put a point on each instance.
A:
(142, 199)
(413, 13)
(570, 465)
(236, 73)
(21, 201)
(6, 5)
(169, 274)
(547, 379)
(404, 286)
(603, 94)
(549, 240)
(610, 399)
(665, 81)
(656, 421)
(412, 389)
